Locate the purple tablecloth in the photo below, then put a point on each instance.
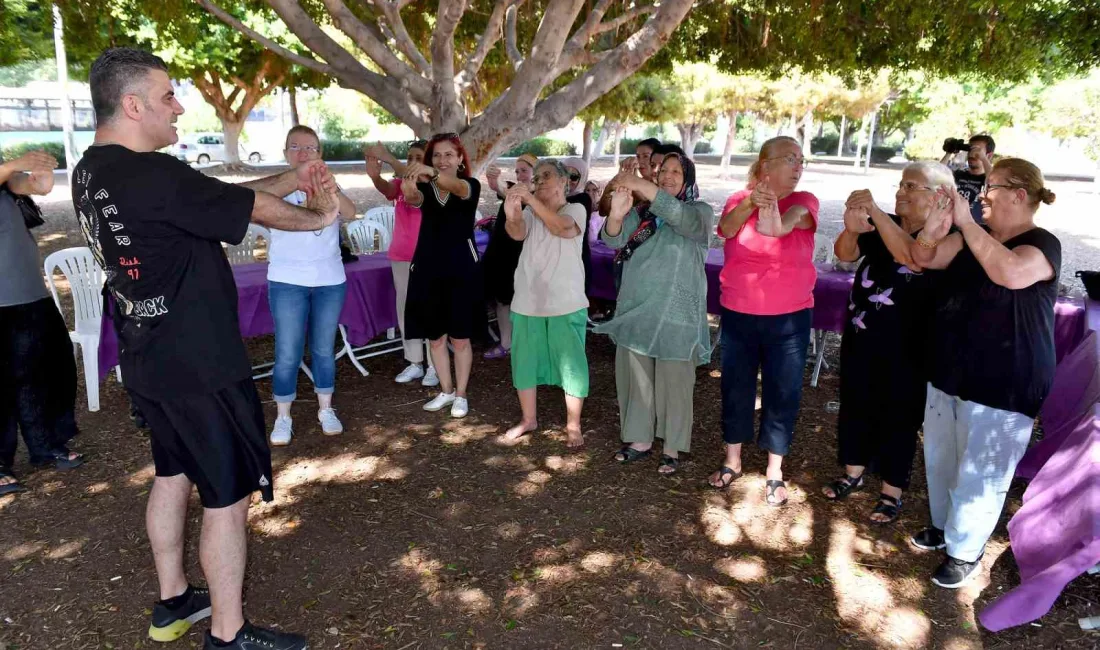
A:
(369, 309)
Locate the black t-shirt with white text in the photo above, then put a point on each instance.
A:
(992, 345)
(970, 187)
(155, 225)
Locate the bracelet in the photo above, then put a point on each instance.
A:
(924, 243)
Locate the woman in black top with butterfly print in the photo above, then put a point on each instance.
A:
(882, 371)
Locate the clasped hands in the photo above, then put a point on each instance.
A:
(315, 179)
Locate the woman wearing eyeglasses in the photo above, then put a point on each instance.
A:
(502, 255)
(444, 301)
(550, 307)
(883, 374)
(305, 289)
(660, 327)
(991, 355)
(406, 229)
(767, 303)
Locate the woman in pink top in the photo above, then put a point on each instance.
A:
(406, 228)
(767, 299)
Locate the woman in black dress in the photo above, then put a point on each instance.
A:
(444, 301)
(883, 378)
(502, 256)
(576, 193)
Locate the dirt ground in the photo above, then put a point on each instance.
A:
(413, 530)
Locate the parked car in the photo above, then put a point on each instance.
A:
(204, 147)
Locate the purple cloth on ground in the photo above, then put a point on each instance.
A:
(370, 307)
(1075, 391)
(1055, 535)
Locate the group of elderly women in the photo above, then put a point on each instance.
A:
(950, 323)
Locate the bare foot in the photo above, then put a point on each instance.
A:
(574, 438)
(520, 430)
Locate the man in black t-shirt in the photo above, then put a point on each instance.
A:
(971, 180)
(156, 227)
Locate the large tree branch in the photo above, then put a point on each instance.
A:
(392, 12)
(485, 43)
(619, 21)
(230, 20)
(510, 45)
(578, 42)
(367, 40)
(449, 114)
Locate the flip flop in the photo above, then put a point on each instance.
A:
(630, 454)
(770, 488)
(724, 471)
(10, 488)
(61, 460)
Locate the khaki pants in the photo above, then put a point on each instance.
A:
(655, 399)
(414, 348)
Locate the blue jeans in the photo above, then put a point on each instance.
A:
(777, 347)
(293, 308)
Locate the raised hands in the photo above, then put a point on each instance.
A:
(377, 151)
(321, 194)
(857, 220)
(514, 199)
(960, 207)
(621, 202)
(493, 176)
(940, 218)
(33, 162)
(629, 166)
(415, 170)
(305, 177)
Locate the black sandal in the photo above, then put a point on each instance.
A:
(668, 461)
(844, 486)
(62, 459)
(630, 454)
(889, 506)
(723, 472)
(770, 488)
(10, 488)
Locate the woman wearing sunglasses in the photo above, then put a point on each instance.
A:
(660, 327)
(502, 255)
(406, 230)
(305, 287)
(444, 303)
(767, 303)
(577, 175)
(883, 369)
(991, 355)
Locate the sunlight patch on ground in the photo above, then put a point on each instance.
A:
(567, 464)
(556, 574)
(864, 598)
(748, 568)
(519, 600)
(342, 469)
(98, 488)
(533, 483)
(66, 549)
(519, 462)
(274, 525)
(20, 551)
(457, 433)
(600, 561)
(509, 530)
(418, 564)
(142, 477)
(742, 515)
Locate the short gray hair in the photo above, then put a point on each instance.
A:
(559, 169)
(937, 173)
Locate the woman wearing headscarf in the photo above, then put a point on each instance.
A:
(767, 304)
(883, 374)
(991, 356)
(502, 255)
(549, 309)
(660, 327)
(577, 171)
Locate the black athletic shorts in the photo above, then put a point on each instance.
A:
(217, 440)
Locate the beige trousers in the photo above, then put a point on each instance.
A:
(655, 399)
(414, 348)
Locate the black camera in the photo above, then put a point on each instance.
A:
(955, 145)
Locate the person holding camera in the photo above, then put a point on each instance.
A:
(971, 180)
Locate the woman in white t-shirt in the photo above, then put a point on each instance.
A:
(549, 309)
(306, 286)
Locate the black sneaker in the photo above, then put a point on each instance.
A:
(954, 573)
(257, 638)
(929, 539)
(170, 624)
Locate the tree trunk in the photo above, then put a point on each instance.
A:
(843, 136)
(601, 139)
(689, 137)
(864, 123)
(586, 135)
(293, 92)
(619, 128)
(232, 132)
(807, 132)
(731, 135)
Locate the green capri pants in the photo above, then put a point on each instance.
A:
(549, 351)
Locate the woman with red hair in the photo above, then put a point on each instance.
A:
(444, 295)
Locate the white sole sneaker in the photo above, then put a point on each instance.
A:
(430, 380)
(439, 402)
(460, 408)
(282, 433)
(410, 374)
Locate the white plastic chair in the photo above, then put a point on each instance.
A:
(245, 252)
(361, 235)
(384, 215)
(85, 285)
(823, 252)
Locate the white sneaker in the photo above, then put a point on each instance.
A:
(281, 434)
(431, 380)
(460, 408)
(330, 424)
(413, 372)
(439, 401)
